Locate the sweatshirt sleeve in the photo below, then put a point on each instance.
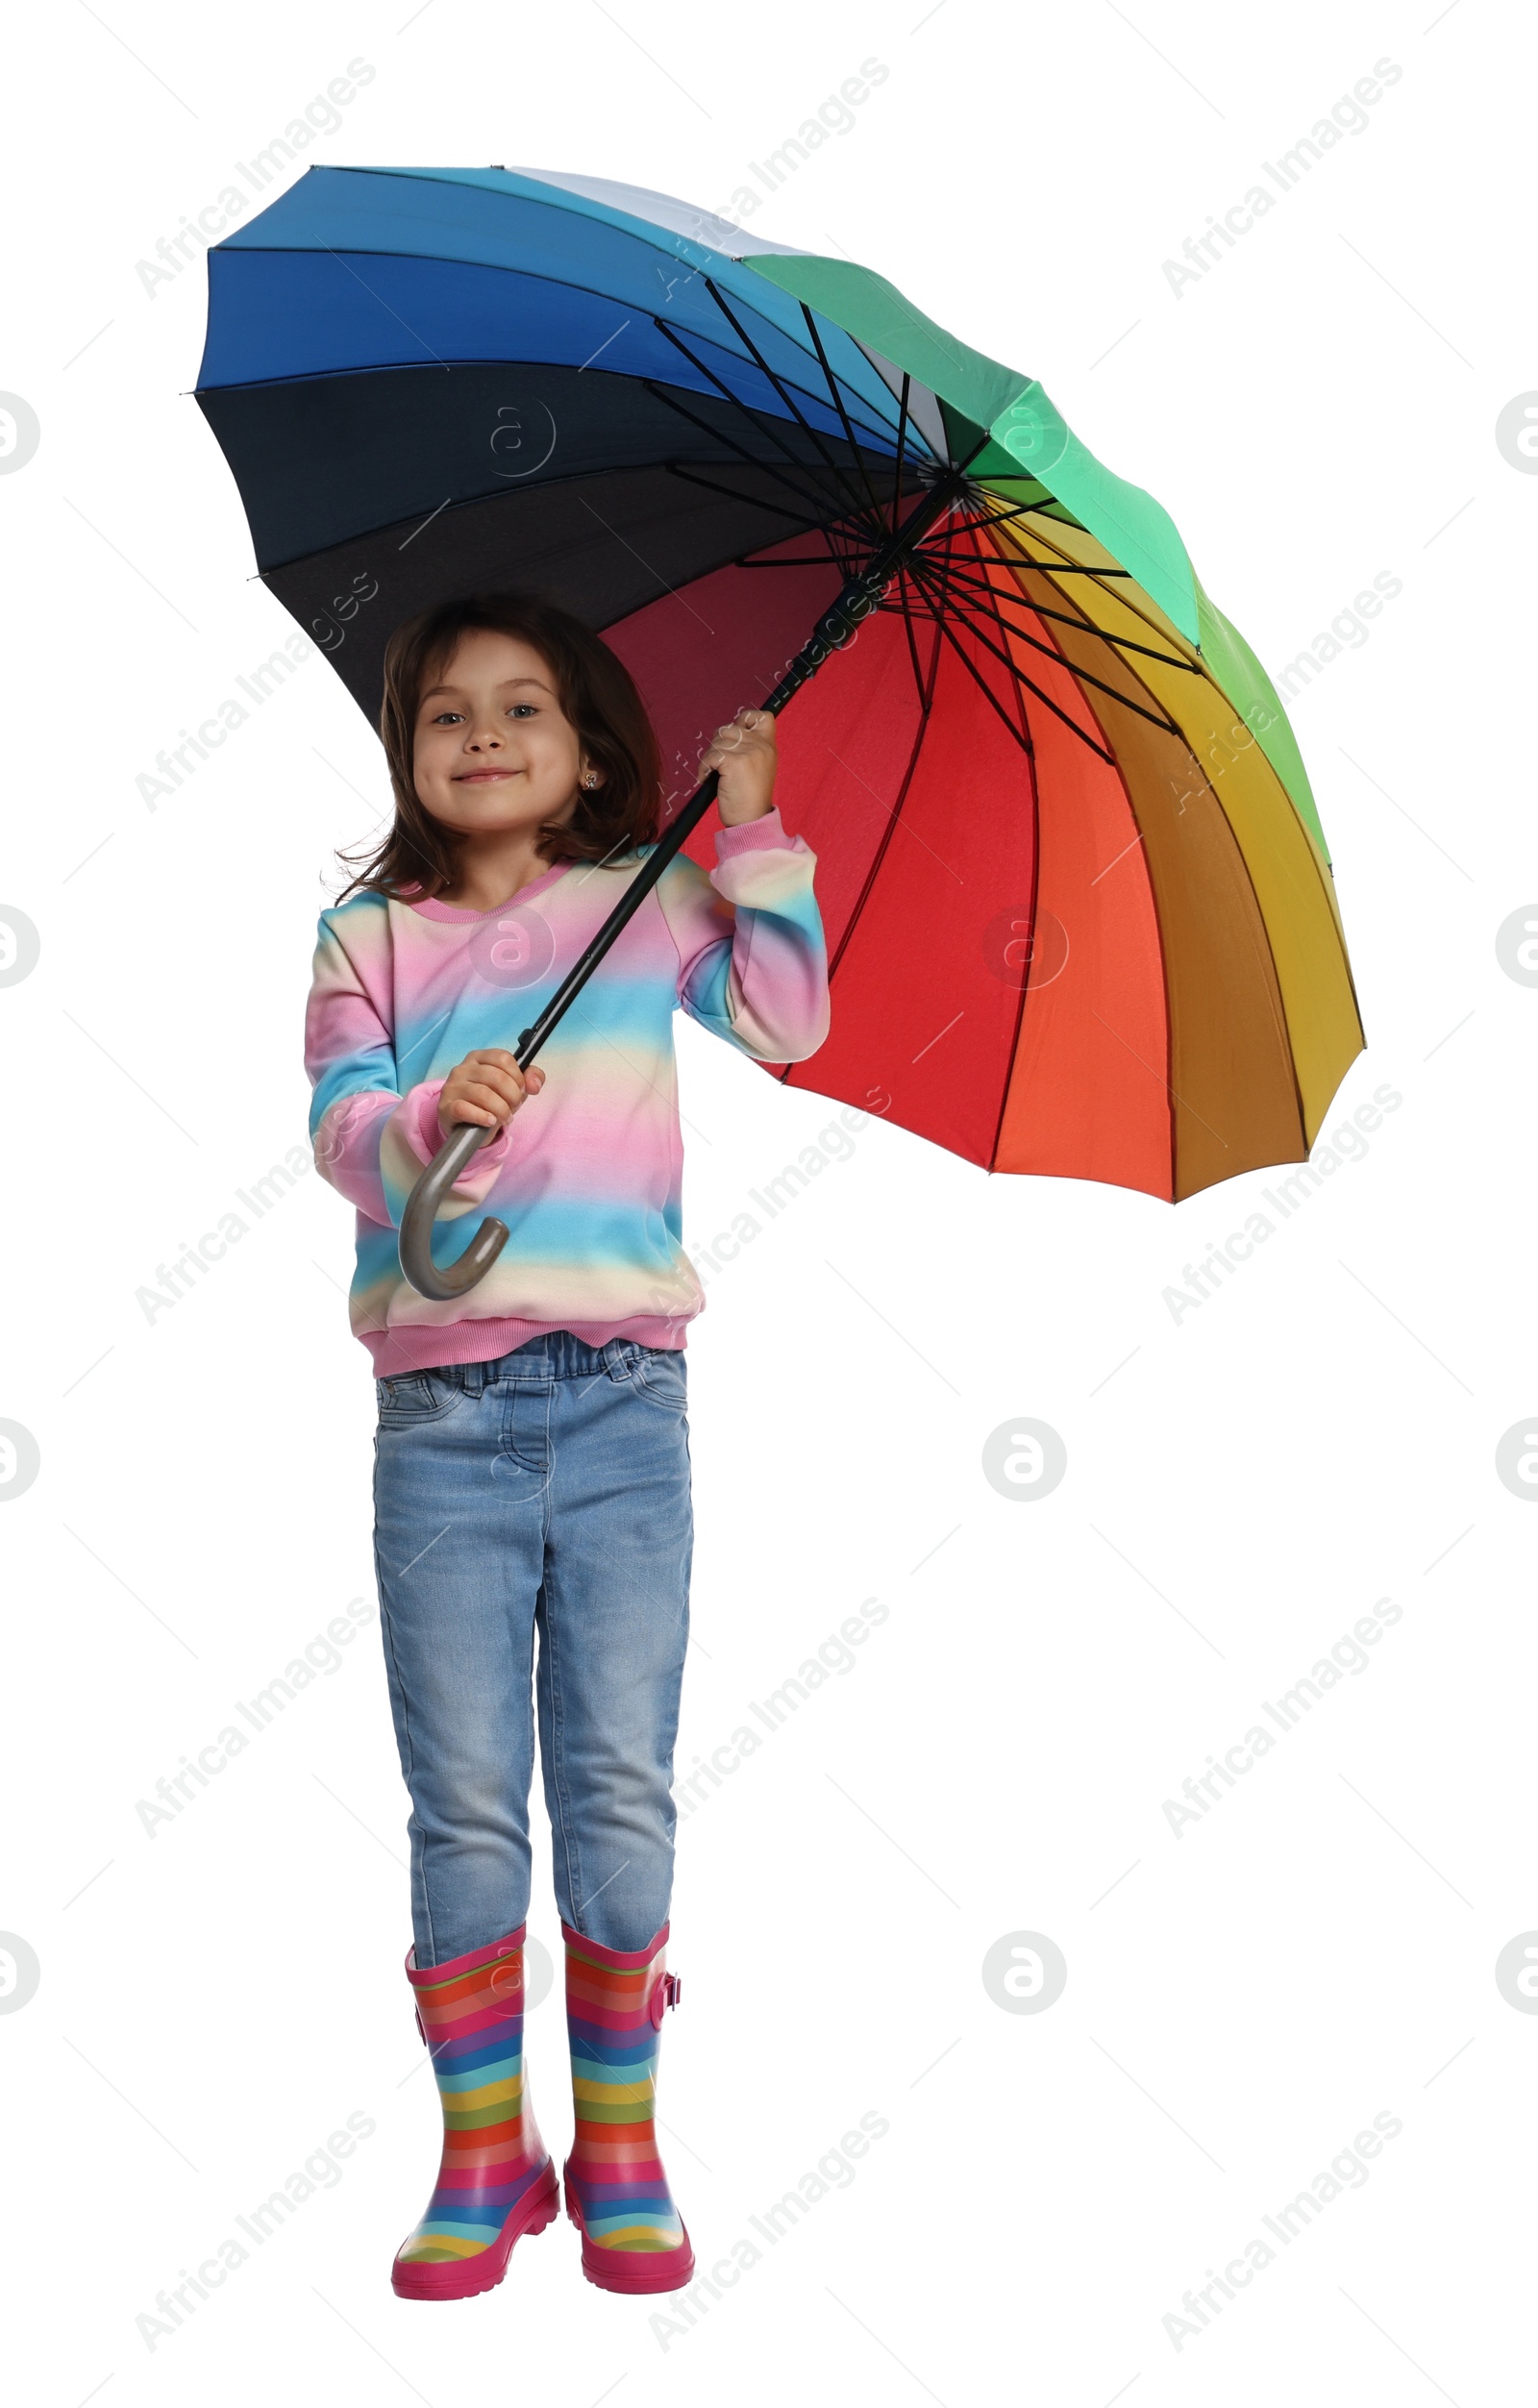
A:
(752, 962)
(370, 1140)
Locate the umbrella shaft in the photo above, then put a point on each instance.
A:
(836, 626)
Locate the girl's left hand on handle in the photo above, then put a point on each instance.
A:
(745, 755)
(487, 1088)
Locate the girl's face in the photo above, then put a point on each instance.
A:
(494, 751)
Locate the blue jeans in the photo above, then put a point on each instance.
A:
(547, 1492)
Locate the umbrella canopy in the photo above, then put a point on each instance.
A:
(1079, 910)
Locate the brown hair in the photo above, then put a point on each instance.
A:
(598, 696)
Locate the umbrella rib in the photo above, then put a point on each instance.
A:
(736, 403)
(935, 584)
(926, 692)
(1084, 676)
(1035, 857)
(838, 404)
(934, 566)
(980, 583)
(996, 518)
(1033, 510)
(1057, 566)
(719, 434)
(1122, 643)
(1029, 684)
(786, 395)
(902, 434)
(839, 385)
(1048, 568)
(672, 335)
(893, 819)
(1031, 960)
(1005, 633)
(935, 659)
(797, 518)
(817, 503)
(803, 560)
(926, 685)
(869, 417)
(942, 622)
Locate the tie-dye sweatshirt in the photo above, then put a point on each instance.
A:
(587, 1175)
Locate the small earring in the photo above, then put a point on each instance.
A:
(590, 780)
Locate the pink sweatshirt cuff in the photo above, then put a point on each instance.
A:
(419, 1119)
(767, 834)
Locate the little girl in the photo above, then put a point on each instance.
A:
(531, 1462)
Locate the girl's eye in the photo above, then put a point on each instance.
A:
(515, 709)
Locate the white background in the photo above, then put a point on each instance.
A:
(1242, 1484)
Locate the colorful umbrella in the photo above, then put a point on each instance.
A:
(1080, 915)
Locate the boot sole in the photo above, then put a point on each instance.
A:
(465, 2277)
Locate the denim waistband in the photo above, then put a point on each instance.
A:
(557, 1355)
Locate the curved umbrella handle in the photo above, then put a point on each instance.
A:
(416, 1223)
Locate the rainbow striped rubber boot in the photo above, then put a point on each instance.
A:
(616, 2191)
(496, 2180)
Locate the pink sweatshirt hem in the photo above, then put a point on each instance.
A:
(419, 1346)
